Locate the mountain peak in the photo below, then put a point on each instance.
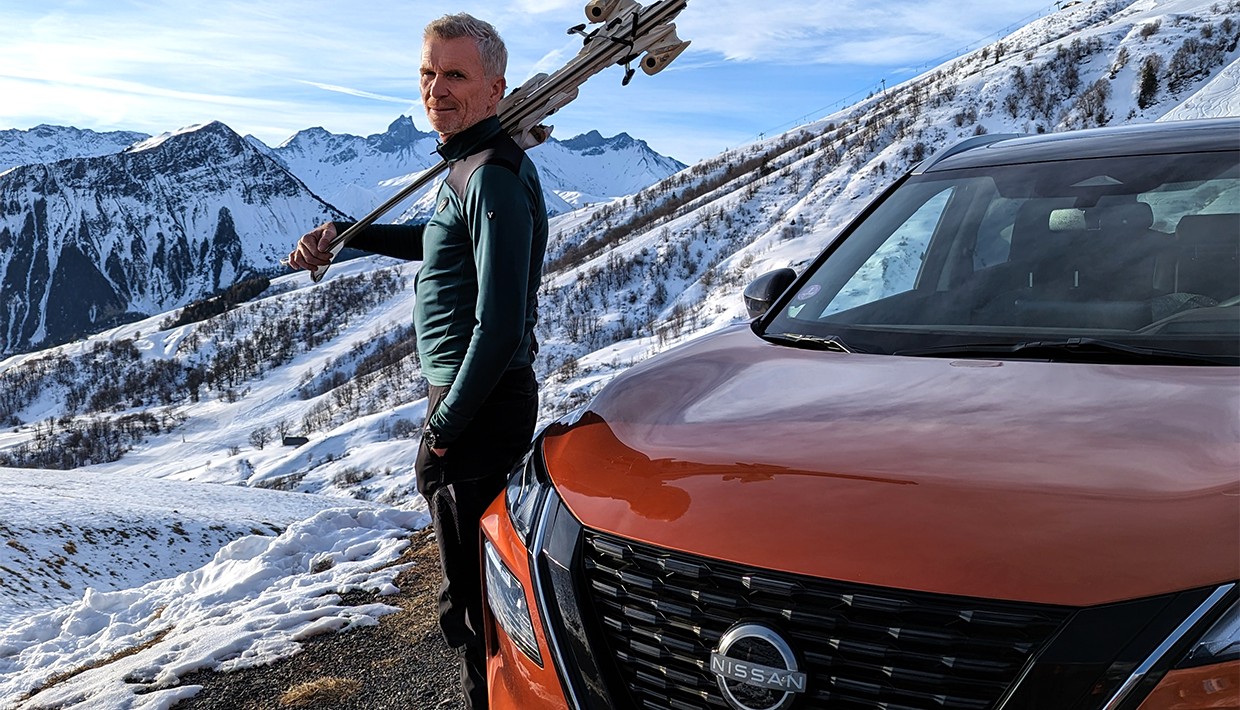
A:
(402, 123)
(401, 134)
(594, 141)
(211, 128)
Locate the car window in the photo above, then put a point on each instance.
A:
(1138, 250)
(1172, 201)
(894, 266)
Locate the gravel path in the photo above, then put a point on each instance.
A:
(401, 664)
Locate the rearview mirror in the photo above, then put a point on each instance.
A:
(764, 290)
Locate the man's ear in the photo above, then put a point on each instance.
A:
(498, 87)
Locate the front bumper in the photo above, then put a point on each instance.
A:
(608, 639)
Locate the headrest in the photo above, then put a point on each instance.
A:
(1030, 229)
(1209, 229)
(1044, 227)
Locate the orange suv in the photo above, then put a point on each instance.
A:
(983, 454)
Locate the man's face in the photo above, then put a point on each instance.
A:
(455, 90)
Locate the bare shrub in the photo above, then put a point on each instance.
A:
(259, 437)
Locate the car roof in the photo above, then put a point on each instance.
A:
(1200, 136)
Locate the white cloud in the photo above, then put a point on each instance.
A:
(843, 32)
(556, 58)
(272, 67)
(359, 93)
(542, 7)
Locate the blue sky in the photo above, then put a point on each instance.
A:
(273, 67)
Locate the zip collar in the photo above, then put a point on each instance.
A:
(464, 143)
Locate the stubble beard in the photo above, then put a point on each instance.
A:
(445, 125)
(453, 122)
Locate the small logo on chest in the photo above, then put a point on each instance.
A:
(491, 214)
(442, 204)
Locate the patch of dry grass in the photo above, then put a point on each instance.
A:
(321, 691)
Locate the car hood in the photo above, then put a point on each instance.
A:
(1057, 483)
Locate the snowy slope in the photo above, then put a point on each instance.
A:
(64, 533)
(253, 580)
(251, 604)
(625, 279)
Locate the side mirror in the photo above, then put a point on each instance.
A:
(762, 291)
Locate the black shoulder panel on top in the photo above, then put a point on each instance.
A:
(500, 150)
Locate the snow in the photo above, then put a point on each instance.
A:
(65, 532)
(198, 535)
(1219, 97)
(156, 141)
(250, 605)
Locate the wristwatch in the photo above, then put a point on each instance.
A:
(433, 438)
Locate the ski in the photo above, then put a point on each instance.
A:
(626, 30)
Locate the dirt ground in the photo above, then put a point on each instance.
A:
(401, 664)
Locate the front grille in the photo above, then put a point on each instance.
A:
(662, 612)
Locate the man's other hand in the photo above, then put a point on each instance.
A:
(313, 249)
(533, 136)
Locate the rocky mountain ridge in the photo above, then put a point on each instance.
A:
(137, 225)
(48, 144)
(356, 174)
(88, 243)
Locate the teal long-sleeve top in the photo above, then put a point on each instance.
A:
(482, 253)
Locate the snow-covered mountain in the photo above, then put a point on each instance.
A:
(174, 218)
(89, 242)
(590, 168)
(47, 144)
(357, 174)
(206, 402)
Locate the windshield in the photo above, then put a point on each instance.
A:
(1135, 252)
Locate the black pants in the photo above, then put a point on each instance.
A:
(458, 488)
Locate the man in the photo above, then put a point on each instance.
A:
(482, 254)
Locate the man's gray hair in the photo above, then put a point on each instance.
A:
(490, 46)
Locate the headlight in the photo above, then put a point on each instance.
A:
(1221, 643)
(508, 604)
(526, 487)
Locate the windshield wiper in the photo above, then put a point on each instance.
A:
(1073, 350)
(813, 342)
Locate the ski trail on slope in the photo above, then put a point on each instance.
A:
(1217, 98)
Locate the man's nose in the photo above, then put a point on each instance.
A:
(438, 87)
